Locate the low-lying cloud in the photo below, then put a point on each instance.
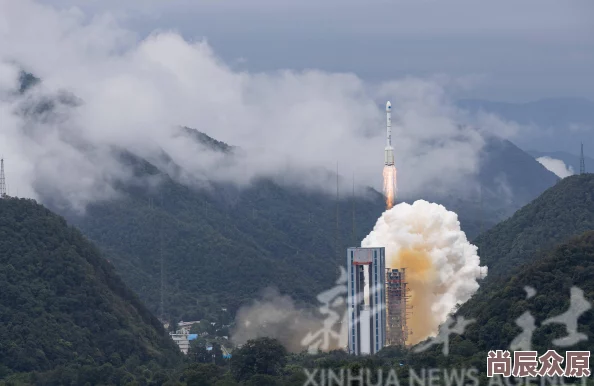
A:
(556, 166)
(119, 92)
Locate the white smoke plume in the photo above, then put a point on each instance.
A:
(556, 166)
(277, 316)
(442, 271)
(130, 93)
(442, 267)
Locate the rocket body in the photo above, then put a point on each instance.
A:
(389, 151)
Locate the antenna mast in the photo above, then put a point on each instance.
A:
(480, 208)
(354, 233)
(162, 300)
(337, 218)
(2, 179)
(582, 162)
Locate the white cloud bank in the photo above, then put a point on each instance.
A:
(133, 93)
(556, 166)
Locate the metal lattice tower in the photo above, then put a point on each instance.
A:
(338, 254)
(2, 179)
(582, 162)
(354, 232)
(162, 273)
(397, 309)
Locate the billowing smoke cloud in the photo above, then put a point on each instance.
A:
(442, 267)
(556, 166)
(277, 316)
(114, 90)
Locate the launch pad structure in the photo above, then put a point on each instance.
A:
(2, 179)
(397, 309)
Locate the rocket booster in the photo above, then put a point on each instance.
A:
(389, 151)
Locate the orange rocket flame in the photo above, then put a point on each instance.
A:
(390, 187)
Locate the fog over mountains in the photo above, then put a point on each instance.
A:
(548, 125)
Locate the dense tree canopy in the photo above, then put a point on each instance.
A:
(267, 230)
(552, 274)
(63, 309)
(563, 211)
(262, 356)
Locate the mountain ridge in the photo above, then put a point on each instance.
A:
(552, 124)
(292, 238)
(569, 205)
(63, 306)
(552, 275)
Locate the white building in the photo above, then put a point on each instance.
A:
(182, 341)
(366, 300)
(182, 338)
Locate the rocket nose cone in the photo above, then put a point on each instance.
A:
(388, 106)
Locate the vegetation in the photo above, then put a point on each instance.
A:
(67, 318)
(264, 357)
(552, 272)
(552, 275)
(510, 178)
(563, 211)
(218, 245)
(220, 249)
(229, 236)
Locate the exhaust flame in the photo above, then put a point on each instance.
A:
(442, 267)
(390, 186)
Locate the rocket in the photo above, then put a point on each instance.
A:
(389, 151)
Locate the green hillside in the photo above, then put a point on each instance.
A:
(509, 176)
(221, 246)
(495, 311)
(552, 274)
(563, 211)
(65, 314)
(218, 246)
(215, 242)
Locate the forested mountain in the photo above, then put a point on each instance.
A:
(548, 276)
(66, 316)
(551, 275)
(508, 179)
(563, 211)
(509, 176)
(542, 289)
(221, 246)
(217, 247)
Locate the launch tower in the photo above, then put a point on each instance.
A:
(366, 300)
(396, 307)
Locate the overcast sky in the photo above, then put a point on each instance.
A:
(511, 50)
